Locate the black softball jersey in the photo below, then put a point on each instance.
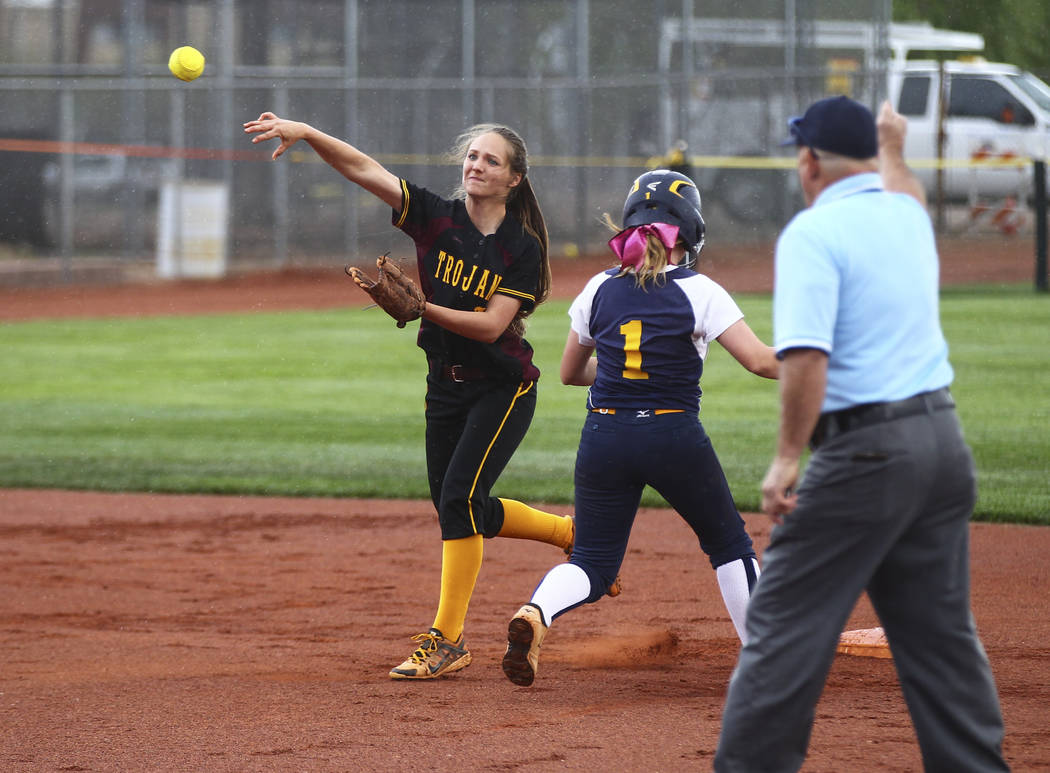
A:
(461, 268)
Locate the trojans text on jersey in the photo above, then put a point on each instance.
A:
(453, 272)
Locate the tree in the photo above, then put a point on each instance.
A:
(1014, 30)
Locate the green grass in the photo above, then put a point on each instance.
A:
(330, 404)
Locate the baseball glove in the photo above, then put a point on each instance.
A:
(393, 292)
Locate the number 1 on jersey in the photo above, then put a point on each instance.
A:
(632, 349)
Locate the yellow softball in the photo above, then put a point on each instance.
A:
(186, 63)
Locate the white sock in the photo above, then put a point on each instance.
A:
(733, 582)
(565, 586)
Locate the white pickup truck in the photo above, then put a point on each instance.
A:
(992, 113)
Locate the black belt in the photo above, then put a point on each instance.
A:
(836, 422)
(458, 373)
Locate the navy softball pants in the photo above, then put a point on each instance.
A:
(619, 455)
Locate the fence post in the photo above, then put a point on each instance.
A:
(1040, 225)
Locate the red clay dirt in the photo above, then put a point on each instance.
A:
(161, 633)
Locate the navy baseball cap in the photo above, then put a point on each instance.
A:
(838, 125)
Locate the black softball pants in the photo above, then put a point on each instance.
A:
(473, 429)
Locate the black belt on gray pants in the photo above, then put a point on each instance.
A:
(836, 422)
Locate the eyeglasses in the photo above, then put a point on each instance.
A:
(801, 141)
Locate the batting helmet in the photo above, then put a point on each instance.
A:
(663, 196)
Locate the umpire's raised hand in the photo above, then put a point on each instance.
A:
(896, 176)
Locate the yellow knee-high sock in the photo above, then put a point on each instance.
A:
(523, 522)
(460, 564)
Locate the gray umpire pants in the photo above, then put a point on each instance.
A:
(885, 508)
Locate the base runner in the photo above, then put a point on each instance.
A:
(650, 321)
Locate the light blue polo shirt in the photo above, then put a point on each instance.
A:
(857, 276)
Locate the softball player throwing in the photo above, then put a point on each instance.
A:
(483, 268)
(650, 321)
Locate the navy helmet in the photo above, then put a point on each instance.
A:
(663, 196)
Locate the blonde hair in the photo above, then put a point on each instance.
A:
(656, 259)
(521, 202)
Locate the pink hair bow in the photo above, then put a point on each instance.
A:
(631, 243)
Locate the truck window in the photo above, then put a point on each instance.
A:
(1034, 88)
(974, 96)
(915, 90)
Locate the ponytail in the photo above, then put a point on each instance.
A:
(656, 258)
(524, 205)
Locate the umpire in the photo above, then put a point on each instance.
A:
(890, 486)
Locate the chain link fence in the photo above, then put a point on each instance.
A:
(94, 129)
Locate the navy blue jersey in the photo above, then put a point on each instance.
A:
(461, 268)
(651, 342)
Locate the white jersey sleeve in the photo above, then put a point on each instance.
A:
(580, 310)
(713, 308)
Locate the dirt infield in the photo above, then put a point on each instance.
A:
(241, 633)
(739, 268)
(144, 632)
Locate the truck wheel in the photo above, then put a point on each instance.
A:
(749, 195)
